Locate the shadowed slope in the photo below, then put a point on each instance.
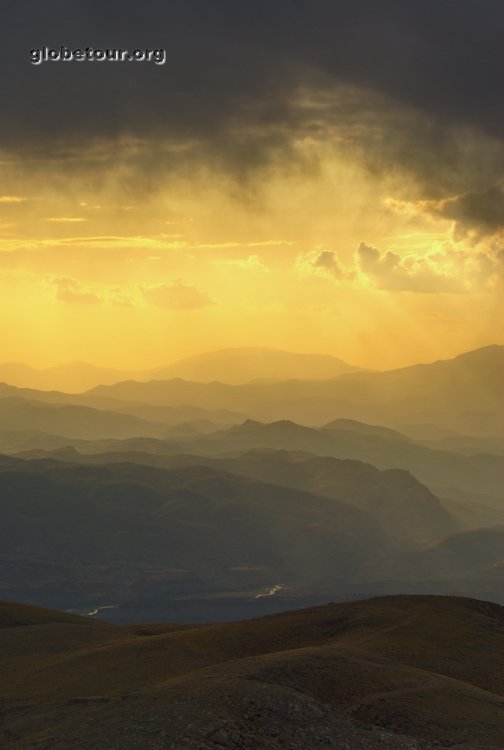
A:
(396, 672)
(74, 533)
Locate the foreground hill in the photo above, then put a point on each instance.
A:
(397, 672)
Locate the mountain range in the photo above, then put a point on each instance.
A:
(443, 471)
(463, 394)
(127, 532)
(237, 365)
(74, 533)
(168, 489)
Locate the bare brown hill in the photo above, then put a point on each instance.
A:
(396, 672)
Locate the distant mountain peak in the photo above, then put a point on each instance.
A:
(247, 363)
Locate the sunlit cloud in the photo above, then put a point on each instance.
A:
(445, 271)
(476, 213)
(322, 263)
(390, 271)
(70, 290)
(66, 219)
(12, 199)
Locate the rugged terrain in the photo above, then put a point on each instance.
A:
(398, 672)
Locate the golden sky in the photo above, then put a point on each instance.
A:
(329, 259)
(290, 191)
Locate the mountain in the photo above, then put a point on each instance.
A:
(206, 528)
(473, 560)
(443, 471)
(472, 509)
(405, 510)
(468, 444)
(72, 534)
(362, 428)
(463, 394)
(238, 365)
(467, 551)
(244, 364)
(384, 449)
(176, 415)
(66, 420)
(170, 415)
(397, 672)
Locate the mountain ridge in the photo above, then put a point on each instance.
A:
(231, 365)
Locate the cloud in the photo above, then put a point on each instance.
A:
(175, 296)
(446, 271)
(328, 260)
(482, 212)
(392, 272)
(12, 199)
(476, 213)
(392, 78)
(324, 263)
(70, 290)
(66, 219)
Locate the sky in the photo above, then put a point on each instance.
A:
(312, 176)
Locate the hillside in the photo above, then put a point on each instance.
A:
(405, 510)
(145, 532)
(75, 534)
(397, 672)
(384, 449)
(482, 473)
(444, 472)
(68, 420)
(475, 554)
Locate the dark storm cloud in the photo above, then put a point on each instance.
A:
(483, 212)
(236, 67)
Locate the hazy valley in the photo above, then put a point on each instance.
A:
(183, 501)
(151, 496)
